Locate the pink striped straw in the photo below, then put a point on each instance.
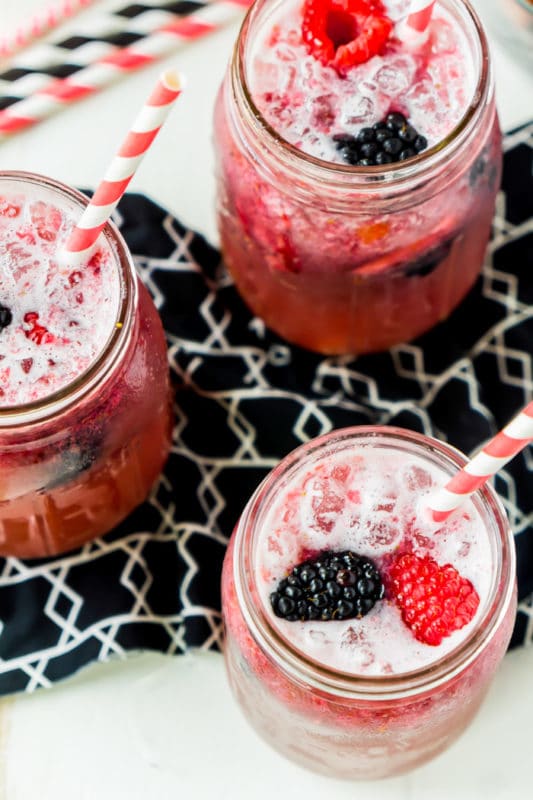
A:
(42, 22)
(58, 93)
(415, 24)
(123, 167)
(501, 449)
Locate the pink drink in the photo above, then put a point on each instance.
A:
(363, 697)
(84, 393)
(62, 316)
(372, 254)
(307, 103)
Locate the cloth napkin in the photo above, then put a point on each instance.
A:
(243, 399)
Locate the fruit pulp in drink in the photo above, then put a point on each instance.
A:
(371, 712)
(337, 256)
(69, 476)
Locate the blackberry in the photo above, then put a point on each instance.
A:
(427, 263)
(392, 140)
(6, 316)
(334, 585)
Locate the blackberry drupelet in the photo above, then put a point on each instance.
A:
(391, 140)
(6, 316)
(334, 585)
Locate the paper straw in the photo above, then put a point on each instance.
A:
(59, 93)
(501, 449)
(123, 167)
(414, 26)
(42, 22)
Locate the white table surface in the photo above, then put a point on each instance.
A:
(166, 727)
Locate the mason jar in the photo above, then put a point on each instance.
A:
(330, 695)
(350, 259)
(75, 462)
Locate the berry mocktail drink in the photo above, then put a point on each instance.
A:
(360, 640)
(84, 389)
(357, 168)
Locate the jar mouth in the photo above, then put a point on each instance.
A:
(115, 346)
(386, 686)
(390, 173)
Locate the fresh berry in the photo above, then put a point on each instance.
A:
(6, 316)
(430, 260)
(334, 585)
(392, 140)
(344, 33)
(435, 601)
(35, 331)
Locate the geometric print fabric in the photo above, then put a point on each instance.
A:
(244, 398)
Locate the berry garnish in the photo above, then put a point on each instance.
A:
(435, 601)
(387, 142)
(333, 585)
(344, 33)
(6, 316)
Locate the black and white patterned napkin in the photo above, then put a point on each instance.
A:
(244, 398)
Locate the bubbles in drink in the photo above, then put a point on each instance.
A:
(61, 316)
(366, 502)
(417, 479)
(428, 84)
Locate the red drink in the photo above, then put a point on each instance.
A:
(371, 692)
(334, 255)
(85, 413)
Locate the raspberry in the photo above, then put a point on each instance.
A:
(8, 208)
(37, 332)
(435, 601)
(344, 33)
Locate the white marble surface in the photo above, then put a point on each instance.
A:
(161, 727)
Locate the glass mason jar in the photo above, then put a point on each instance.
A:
(343, 259)
(355, 725)
(74, 463)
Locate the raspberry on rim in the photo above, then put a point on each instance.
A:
(344, 33)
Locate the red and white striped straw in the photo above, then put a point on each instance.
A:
(123, 167)
(41, 23)
(501, 449)
(415, 24)
(158, 43)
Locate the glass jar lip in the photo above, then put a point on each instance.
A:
(417, 681)
(115, 347)
(396, 173)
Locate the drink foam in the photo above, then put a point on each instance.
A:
(367, 500)
(307, 103)
(62, 316)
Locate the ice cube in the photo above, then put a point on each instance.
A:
(358, 110)
(381, 534)
(391, 80)
(327, 504)
(443, 39)
(417, 479)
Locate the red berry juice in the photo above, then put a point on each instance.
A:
(364, 697)
(84, 390)
(335, 253)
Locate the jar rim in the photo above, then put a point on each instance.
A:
(327, 679)
(396, 174)
(115, 347)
